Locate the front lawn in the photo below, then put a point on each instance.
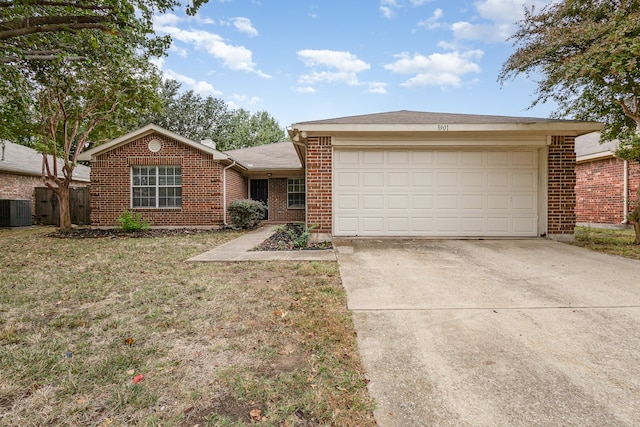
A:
(615, 242)
(122, 331)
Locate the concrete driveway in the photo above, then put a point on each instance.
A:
(495, 332)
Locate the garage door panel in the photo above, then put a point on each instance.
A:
(447, 179)
(373, 201)
(398, 201)
(348, 179)
(435, 192)
(373, 179)
(348, 201)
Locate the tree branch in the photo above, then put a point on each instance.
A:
(48, 24)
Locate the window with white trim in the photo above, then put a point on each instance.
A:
(156, 187)
(296, 196)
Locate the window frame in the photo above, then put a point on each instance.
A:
(296, 187)
(157, 187)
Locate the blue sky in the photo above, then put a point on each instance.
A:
(310, 60)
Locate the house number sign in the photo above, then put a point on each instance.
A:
(443, 127)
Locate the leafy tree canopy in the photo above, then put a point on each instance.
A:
(588, 54)
(196, 117)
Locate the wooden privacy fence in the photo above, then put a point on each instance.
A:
(47, 211)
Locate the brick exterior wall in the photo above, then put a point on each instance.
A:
(561, 203)
(14, 186)
(201, 184)
(600, 188)
(19, 187)
(319, 183)
(278, 210)
(237, 187)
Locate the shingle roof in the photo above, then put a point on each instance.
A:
(589, 144)
(281, 155)
(421, 118)
(22, 160)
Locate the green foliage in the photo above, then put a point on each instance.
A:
(131, 222)
(301, 238)
(246, 213)
(195, 117)
(588, 54)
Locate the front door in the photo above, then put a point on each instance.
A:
(260, 192)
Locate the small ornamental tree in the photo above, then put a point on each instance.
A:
(586, 54)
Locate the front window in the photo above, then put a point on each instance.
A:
(295, 193)
(156, 187)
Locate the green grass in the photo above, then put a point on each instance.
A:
(217, 343)
(615, 242)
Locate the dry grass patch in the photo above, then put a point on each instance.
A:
(615, 242)
(217, 343)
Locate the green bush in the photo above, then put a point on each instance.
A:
(132, 222)
(245, 213)
(301, 235)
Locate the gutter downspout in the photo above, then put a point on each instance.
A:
(626, 192)
(224, 193)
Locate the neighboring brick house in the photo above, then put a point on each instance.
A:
(408, 173)
(21, 173)
(605, 184)
(175, 182)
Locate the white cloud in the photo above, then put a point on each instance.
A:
(432, 23)
(387, 8)
(437, 69)
(377, 87)
(244, 26)
(343, 67)
(246, 100)
(419, 2)
(166, 19)
(201, 87)
(305, 89)
(237, 58)
(499, 18)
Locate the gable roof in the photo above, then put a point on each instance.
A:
(21, 160)
(418, 121)
(277, 156)
(146, 130)
(588, 147)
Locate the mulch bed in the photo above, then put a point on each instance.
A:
(284, 240)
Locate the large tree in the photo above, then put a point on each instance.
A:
(586, 54)
(189, 114)
(70, 71)
(196, 117)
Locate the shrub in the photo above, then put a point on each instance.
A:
(132, 222)
(301, 236)
(245, 213)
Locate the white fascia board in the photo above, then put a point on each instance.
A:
(440, 140)
(548, 128)
(595, 156)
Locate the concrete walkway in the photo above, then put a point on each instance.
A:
(240, 250)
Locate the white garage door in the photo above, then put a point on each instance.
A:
(435, 193)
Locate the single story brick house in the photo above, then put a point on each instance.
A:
(402, 173)
(605, 184)
(175, 182)
(21, 173)
(408, 173)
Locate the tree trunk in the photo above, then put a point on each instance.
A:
(63, 204)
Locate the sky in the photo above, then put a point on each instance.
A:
(303, 60)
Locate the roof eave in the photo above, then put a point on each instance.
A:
(569, 128)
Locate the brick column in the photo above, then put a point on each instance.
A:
(319, 183)
(561, 187)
